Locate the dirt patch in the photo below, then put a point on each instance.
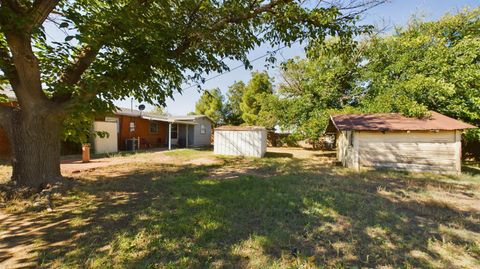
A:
(299, 153)
(204, 161)
(76, 166)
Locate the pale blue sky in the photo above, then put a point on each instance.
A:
(393, 13)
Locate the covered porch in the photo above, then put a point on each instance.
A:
(177, 133)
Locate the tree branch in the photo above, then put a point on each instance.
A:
(195, 37)
(250, 15)
(15, 6)
(84, 59)
(74, 72)
(40, 11)
(29, 89)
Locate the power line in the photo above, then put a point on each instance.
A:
(237, 67)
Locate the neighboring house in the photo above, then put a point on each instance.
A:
(398, 142)
(141, 130)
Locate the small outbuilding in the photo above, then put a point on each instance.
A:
(393, 141)
(240, 141)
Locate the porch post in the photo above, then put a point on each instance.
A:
(169, 136)
(186, 140)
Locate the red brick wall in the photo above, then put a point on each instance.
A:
(142, 130)
(4, 145)
(5, 152)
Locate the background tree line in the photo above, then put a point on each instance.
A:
(423, 66)
(244, 104)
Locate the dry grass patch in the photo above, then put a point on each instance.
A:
(275, 212)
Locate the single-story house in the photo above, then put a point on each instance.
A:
(133, 129)
(240, 141)
(394, 141)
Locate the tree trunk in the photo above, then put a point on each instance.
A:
(35, 143)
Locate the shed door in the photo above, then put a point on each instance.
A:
(414, 151)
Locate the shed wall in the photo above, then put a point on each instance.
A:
(107, 144)
(346, 149)
(412, 151)
(251, 143)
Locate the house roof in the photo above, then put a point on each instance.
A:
(190, 117)
(396, 121)
(239, 128)
(155, 117)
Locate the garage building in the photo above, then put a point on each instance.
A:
(432, 144)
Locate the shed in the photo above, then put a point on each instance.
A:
(391, 140)
(240, 141)
(106, 144)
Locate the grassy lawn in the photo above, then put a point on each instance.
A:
(276, 212)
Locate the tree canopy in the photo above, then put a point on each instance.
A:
(251, 104)
(424, 66)
(233, 113)
(257, 96)
(131, 48)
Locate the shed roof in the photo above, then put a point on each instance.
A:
(396, 121)
(240, 128)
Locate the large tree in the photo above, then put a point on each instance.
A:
(424, 66)
(138, 48)
(427, 66)
(314, 87)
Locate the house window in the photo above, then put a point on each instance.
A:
(350, 140)
(132, 126)
(174, 131)
(203, 129)
(153, 127)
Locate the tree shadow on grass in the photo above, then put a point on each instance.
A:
(171, 216)
(278, 155)
(470, 169)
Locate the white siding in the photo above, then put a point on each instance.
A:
(251, 143)
(107, 144)
(199, 138)
(412, 151)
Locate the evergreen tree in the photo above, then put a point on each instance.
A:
(232, 111)
(211, 105)
(257, 95)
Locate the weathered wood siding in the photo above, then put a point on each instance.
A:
(251, 143)
(346, 149)
(412, 151)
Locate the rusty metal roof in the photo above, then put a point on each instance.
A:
(395, 121)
